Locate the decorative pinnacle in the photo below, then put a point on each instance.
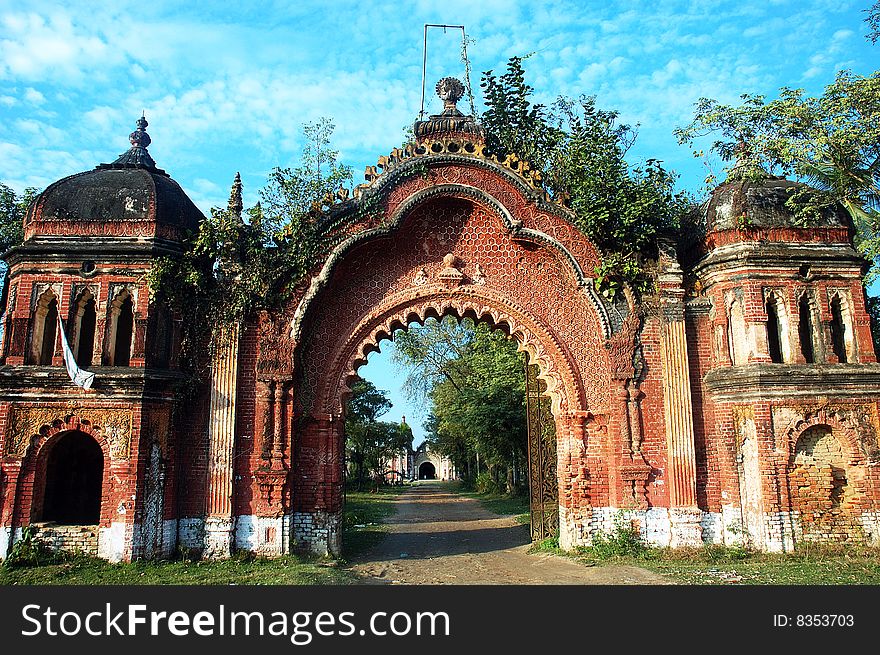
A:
(137, 155)
(450, 91)
(235, 203)
(139, 138)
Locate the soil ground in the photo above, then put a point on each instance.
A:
(439, 537)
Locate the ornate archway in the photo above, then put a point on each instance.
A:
(465, 237)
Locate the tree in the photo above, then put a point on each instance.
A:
(240, 260)
(873, 21)
(370, 443)
(832, 142)
(580, 152)
(12, 210)
(475, 381)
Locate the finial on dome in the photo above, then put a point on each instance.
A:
(137, 155)
(450, 120)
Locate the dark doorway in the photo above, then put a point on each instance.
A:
(74, 473)
(427, 471)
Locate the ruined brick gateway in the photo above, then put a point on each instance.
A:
(736, 405)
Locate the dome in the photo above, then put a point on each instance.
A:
(761, 203)
(130, 197)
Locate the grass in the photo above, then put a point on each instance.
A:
(811, 564)
(81, 570)
(363, 525)
(362, 530)
(503, 505)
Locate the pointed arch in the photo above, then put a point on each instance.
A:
(842, 335)
(120, 329)
(44, 328)
(82, 323)
(778, 327)
(415, 305)
(807, 329)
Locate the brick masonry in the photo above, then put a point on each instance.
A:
(673, 413)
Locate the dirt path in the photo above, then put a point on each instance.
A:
(439, 537)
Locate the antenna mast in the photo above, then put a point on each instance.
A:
(467, 66)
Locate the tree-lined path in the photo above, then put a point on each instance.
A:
(439, 537)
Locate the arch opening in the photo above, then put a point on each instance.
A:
(805, 329)
(44, 328)
(73, 481)
(84, 323)
(492, 441)
(121, 329)
(427, 471)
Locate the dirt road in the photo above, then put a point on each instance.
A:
(439, 537)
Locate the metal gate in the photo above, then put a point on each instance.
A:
(543, 487)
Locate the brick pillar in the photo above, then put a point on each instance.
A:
(9, 473)
(681, 465)
(219, 536)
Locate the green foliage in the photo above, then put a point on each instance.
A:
(873, 21)
(12, 210)
(831, 142)
(623, 541)
(370, 443)
(486, 484)
(514, 126)
(474, 379)
(31, 551)
(233, 267)
(580, 151)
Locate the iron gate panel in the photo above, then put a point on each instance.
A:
(543, 486)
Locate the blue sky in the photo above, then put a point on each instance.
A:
(227, 87)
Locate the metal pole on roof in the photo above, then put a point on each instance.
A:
(425, 62)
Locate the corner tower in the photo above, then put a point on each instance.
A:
(789, 377)
(90, 467)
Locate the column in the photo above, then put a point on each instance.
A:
(219, 523)
(681, 467)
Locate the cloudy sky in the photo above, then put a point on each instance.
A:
(227, 87)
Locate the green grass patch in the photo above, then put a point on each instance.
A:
(363, 522)
(810, 564)
(81, 570)
(503, 505)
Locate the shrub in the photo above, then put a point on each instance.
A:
(623, 541)
(31, 551)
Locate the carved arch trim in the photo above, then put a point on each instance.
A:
(844, 429)
(31, 427)
(508, 221)
(416, 305)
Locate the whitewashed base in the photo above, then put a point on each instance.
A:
(318, 532)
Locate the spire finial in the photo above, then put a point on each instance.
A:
(235, 203)
(137, 155)
(140, 138)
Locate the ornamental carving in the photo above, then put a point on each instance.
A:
(28, 422)
(622, 345)
(856, 426)
(276, 346)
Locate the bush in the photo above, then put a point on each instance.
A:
(623, 541)
(484, 484)
(30, 551)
